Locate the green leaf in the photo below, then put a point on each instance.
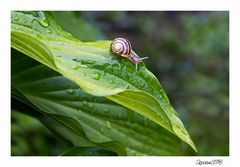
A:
(104, 123)
(68, 130)
(87, 151)
(81, 29)
(90, 66)
(53, 122)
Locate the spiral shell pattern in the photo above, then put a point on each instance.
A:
(121, 47)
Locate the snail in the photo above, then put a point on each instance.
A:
(122, 47)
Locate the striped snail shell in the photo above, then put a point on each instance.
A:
(121, 47)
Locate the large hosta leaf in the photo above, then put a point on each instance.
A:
(67, 130)
(89, 65)
(98, 121)
(87, 151)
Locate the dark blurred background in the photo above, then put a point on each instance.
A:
(189, 54)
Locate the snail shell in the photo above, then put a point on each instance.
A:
(121, 47)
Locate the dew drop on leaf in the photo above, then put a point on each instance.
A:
(96, 76)
(76, 67)
(79, 111)
(112, 80)
(178, 127)
(71, 91)
(84, 102)
(109, 124)
(161, 91)
(16, 18)
(184, 132)
(142, 84)
(134, 81)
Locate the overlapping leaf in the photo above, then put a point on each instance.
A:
(87, 120)
(89, 65)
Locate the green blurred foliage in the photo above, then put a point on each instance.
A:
(188, 52)
(30, 137)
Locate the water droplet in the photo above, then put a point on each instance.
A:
(109, 124)
(114, 66)
(112, 80)
(17, 28)
(96, 76)
(71, 91)
(77, 67)
(178, 126)
(142, 84)
(84, 102)
(127, 86)
(79, 111)
(164, 101)
(16, 18)
(184, 132)
(133, 81)
(161, 91)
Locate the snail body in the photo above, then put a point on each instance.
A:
(122, 47)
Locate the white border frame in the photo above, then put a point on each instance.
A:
(202, 5)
